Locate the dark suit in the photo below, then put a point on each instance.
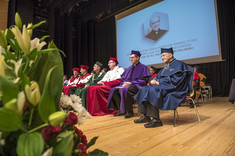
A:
(155, 36)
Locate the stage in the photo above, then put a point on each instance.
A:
(215, 135)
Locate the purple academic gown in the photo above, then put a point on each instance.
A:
(139, 72)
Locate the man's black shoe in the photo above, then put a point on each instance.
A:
(129, 115)
(153, 123)
(142, 119)
(119, 114)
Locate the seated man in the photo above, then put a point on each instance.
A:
(84, 78)
(168, 88)
(73, 80)
(65, 81)
(133, 78)
(97, 96)
(94, 79)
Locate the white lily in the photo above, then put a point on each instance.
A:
(33, 93)
(35, 43)
(20, 102)
(22, 39)
(17, 65)
(2, 64)
(48, 152)
(30, 31)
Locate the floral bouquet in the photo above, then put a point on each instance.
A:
(31, 78)
(74, 104)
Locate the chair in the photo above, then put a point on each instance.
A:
(208, 91)
(190, 94)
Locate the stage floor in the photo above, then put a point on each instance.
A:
(214, 136)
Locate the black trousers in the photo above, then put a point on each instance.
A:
(148, 110)
(72, 90)
(129, 101)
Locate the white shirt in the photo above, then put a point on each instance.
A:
(113, 74)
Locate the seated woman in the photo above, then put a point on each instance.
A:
(152, 71)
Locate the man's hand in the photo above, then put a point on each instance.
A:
(125, 84)
(154, 82)
(100, 83)
(87, 85)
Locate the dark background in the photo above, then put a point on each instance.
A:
(85, 31)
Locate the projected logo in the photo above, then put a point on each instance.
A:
(156, 26)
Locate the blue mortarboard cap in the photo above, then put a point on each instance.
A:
(167, 50)
(136, 53)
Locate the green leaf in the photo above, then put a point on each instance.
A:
(44, 37)
(9, 56)
(92, 142)
(33, 55)
(9, 89)
(37, 25)
(97, 152)
(9, 120)
(40, 70)
(30, 144)
(47, 103)
(24, 79)
(64, 147)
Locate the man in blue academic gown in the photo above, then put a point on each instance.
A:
(166, 91)
(133, 78)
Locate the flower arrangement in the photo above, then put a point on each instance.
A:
(73, 104)
(31, 123)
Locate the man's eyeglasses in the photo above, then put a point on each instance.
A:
(132, 57)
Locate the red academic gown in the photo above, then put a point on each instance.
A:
(66, 88)
(97, 98)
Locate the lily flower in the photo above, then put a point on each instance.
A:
(22, 39)
(18, 21)
(30, 31)
(57, 118)
(35, 43)
(3, 40)
(33, 93)
(17, 65)
(2, 64)
(20, 102)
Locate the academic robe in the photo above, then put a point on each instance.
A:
(172, 89)
(72, 81)
(81, 92)
(80, 84)
(152, 76)
(97, 96)
(136, 77)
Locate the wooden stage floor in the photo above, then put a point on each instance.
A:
(214, 136)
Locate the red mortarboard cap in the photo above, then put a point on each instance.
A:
(76, 69)
(113, 59)
(84, 67)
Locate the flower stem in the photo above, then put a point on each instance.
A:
(31, 116)
(26, 65)
(41, 126)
